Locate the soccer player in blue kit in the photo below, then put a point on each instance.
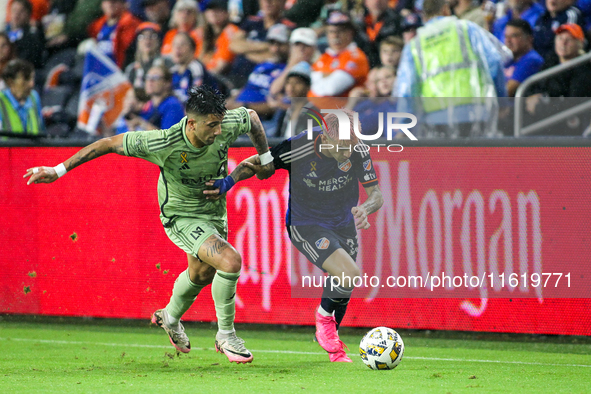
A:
(323, 216)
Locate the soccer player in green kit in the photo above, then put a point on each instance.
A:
(190, 154)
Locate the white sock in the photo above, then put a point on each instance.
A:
(173, 321)
(323, 312)
(225, 333)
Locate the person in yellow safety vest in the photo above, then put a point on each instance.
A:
(456, 68)
(20, 105)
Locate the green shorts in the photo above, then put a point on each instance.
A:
(190, 233)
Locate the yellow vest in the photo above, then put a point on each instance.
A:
(449, 71)
(11, 122)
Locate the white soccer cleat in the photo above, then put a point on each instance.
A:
(233, 347)
(177, 337)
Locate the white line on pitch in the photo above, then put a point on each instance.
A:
(498, 362)
(290, 352)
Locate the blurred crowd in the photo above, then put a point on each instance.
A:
(278, 57)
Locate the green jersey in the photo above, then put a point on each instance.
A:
(184, 169)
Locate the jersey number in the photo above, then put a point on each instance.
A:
(197, 233)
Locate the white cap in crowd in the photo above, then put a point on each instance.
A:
(305, 35)
(279, 33)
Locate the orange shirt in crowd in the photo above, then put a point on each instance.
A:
(221, 51)
(351, 60)
(124, 33)
(171, 34)
(40, 9)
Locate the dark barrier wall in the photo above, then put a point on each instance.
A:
(92, 244)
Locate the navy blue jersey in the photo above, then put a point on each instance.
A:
(547, 25)
(322, 191)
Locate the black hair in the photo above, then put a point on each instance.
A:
(203, 100)
(523, 25)
(17, 67)
(303, 78)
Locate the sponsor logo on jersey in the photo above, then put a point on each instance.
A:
(312, 175)
(345, 166)
(309, 183)
(322, 243)
(369, 177)
(367, 165)
(351, 66)
(185, 167)
(333, 184)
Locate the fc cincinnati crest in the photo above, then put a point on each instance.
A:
(345, 166)
(322, 243)
(367, 165)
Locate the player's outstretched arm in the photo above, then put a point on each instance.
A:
(246, 169)
(259, 140)
(372, 204)
(99, 148)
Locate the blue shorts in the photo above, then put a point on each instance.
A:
(318, 243)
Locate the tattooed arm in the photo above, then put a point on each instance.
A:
(372, 204)
(96, 149)
(259, 140)
(246, 169)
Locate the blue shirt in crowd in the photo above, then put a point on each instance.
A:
(106, 41)
(169, 112)
(526, 66)
(256, 89)
(531, 16)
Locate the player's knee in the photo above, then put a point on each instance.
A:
(205, 277)
(349, 274)
(202, 275)
(231, 262)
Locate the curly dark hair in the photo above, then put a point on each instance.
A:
(203, 100)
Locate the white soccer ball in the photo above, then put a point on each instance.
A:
(381, 348)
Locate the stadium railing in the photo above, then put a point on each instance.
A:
(580, 108)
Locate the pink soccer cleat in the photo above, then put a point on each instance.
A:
(339, 357)
(326, 333)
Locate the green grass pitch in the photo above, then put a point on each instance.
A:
(128, 357)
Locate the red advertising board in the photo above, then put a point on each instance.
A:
(92, 244)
